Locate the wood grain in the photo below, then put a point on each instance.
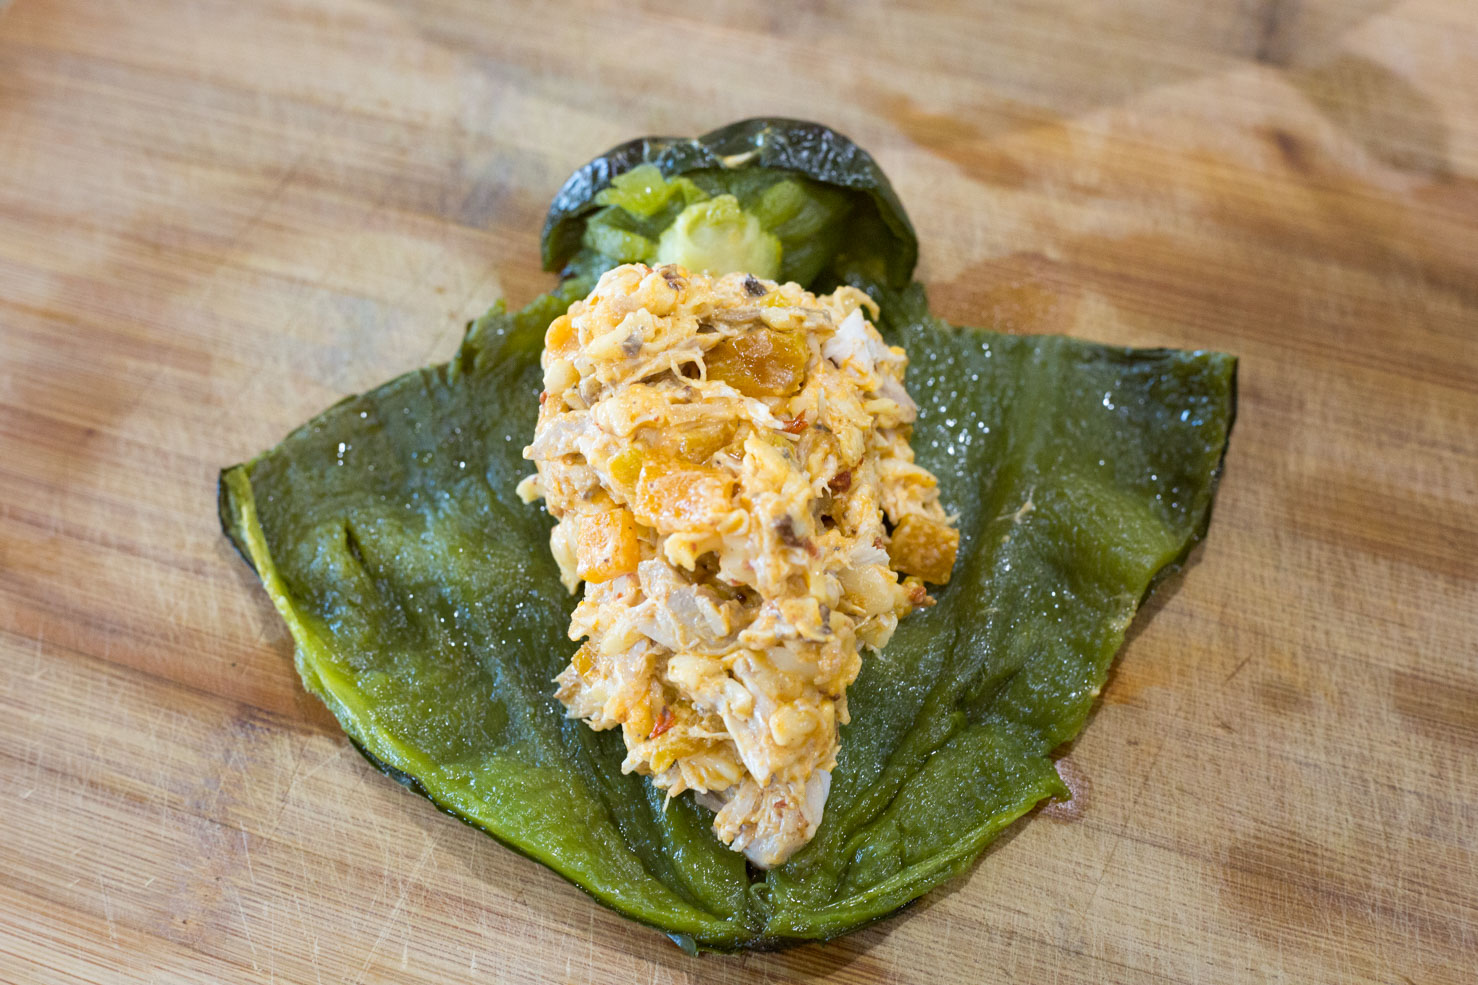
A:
(217, 217)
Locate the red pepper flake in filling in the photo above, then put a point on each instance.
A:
(664, 722)
(794, 425)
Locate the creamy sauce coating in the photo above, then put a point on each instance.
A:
(727, 461)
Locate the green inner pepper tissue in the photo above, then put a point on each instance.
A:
(429, 614)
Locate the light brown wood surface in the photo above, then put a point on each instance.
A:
(217, 217)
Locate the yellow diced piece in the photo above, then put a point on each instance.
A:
(625, 468)
(605, 545)
(638, 724)
(584, 660)
(922, 547)
(760, 363)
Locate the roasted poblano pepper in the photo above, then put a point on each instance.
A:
(429, 615)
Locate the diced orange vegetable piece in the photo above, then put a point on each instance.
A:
(699, 442)
(605, 545)
(693, 442)
(760, 363)
(924, 548)
(673, 495)
(560, 336)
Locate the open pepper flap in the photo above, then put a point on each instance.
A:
(429, 616)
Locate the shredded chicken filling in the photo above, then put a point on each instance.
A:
(727, 461)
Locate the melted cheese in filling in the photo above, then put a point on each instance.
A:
(727, 460)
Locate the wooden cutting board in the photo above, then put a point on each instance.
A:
(218, 217)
